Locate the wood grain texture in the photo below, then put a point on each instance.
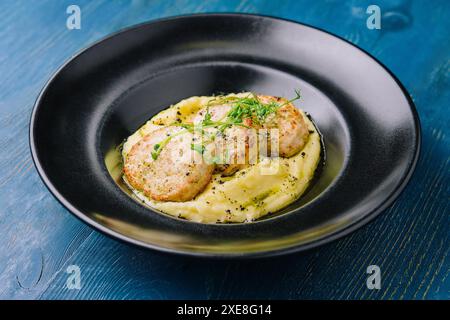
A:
(39, 238)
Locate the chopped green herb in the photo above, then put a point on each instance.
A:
(249, 107)
(198, 147)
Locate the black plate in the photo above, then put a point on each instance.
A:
(369, 125)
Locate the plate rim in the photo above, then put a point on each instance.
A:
(256, 254)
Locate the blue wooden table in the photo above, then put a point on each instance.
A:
(39, 239)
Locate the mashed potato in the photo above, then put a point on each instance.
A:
(262, 188)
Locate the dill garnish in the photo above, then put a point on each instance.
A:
(242, 108)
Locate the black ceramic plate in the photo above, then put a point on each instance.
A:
(369, 125)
